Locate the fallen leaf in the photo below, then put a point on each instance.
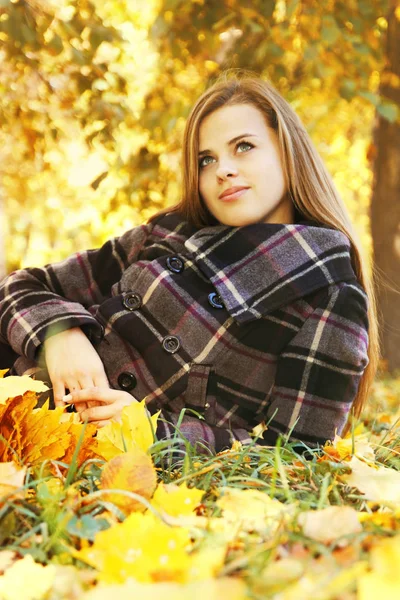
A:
(376, 483)
(13, 386)
(133, 471)
(384, 579)
(176, 500)
(13, 584)
(32, 435)
(11, 477)
(253, 509)
(330, 524)
(136, 429)
(68, 583)
(142, 548)
(207, 562)
(343, 447)
(362, 448)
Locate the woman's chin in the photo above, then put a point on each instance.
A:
(239, 221)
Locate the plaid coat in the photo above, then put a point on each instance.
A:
(261, 323)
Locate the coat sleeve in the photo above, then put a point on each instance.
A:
(35, 302)
(319, 371)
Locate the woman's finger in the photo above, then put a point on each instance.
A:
(104, 396)
(100, 380)
(58, 392)
(86, 382)
(73, 386)
(100, 413)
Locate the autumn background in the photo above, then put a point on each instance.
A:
(94, 97)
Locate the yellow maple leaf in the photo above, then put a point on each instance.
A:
(14, 586)
(136, 429)
(88, 444)
(32, 436)
(176, 500)
(42, 435)
(3, 372)
(13, 386)
(133, 471)
(142, 548)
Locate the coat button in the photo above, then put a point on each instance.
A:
(171, 344)
(97, 337)
(175, 264)
(132, 301)
(215, 300)
(127, 381)
(207, 405)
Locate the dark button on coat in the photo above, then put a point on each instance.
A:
(127, 381)
(287, 345)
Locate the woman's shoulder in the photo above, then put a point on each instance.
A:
(172, 221)
(323, 235)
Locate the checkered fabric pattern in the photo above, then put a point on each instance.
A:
(238, 325)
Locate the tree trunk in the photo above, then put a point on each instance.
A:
(385, 203)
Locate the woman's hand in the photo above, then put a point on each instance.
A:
(73, 364)
(108, 404)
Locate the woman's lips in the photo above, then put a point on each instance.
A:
(234, 196)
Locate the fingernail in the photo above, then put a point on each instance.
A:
(67, 398)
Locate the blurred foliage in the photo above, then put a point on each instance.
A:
(94, 96)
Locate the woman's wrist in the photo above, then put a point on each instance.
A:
(52, 336)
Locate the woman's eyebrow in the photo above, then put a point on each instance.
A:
(232, 141)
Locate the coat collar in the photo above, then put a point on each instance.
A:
(258, 268)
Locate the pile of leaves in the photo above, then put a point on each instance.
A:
(87, 512)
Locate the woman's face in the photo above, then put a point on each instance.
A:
(238, 150)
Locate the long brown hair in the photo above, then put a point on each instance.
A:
(310, 186)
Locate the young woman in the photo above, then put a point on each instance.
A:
(246, 303)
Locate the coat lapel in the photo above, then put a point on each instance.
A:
(261, 267)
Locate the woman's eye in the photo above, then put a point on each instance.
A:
(206, 160)
(246, 144)
(202, 162)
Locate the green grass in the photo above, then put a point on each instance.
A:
(48, 522)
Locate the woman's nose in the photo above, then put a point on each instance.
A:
(226, 169)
